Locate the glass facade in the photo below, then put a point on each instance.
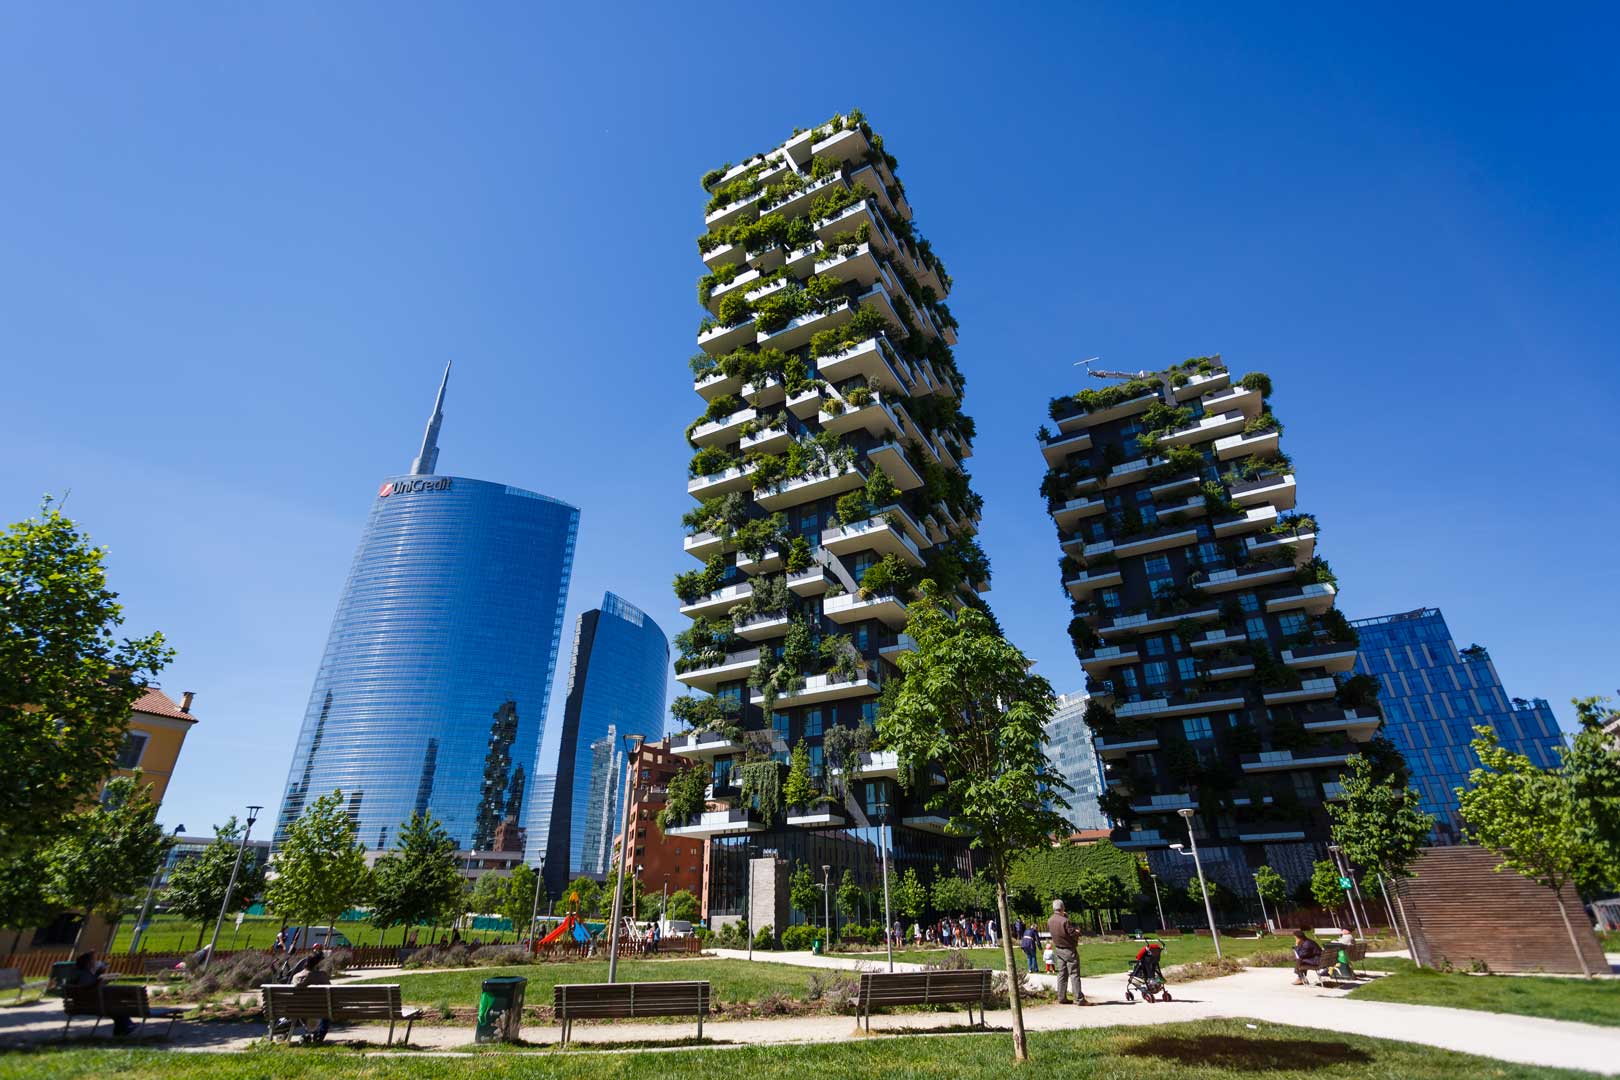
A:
(1433, 694)
(1070, 748)
(617, 684)
(433, 688)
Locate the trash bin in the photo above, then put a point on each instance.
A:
(500, 1009)
(815, 947)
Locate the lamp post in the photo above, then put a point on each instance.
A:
(1349, 897)
(635, 912)
(663, 906)
(1163, 926)
(534, 911)
(883, 848)
(236, 867)
(1264, 918)
(624, 857)
(748, 901)
(146, 906)
(1203, 886)
(826, 903)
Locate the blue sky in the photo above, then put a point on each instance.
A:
(241, 243)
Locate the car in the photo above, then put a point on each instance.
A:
(302, 937)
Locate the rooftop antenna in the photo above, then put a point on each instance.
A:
(428, 459)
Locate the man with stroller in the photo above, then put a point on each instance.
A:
(1065, 949)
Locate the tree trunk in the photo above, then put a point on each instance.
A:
(202, 928)
(80, 932)
(1563, 913)
(1020, 1040)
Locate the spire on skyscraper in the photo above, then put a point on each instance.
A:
(428, 458)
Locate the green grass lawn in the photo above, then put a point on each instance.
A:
(1211, 1050)
(1591, 1002)
(1610, 939)
(170, 933)
(731, 980)
(1112, 957)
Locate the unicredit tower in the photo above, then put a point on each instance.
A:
(432, 692)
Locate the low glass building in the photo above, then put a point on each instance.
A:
(1433, 694)
(1069, 746)
(432, 691)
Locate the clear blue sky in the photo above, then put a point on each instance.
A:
(240, 244)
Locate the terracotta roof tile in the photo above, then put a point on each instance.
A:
(156, 703)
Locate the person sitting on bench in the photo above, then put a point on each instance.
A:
(1307, 956)
(86, 972)
(311, 972)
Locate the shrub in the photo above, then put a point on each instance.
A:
(439, 956)
(499, 955)
(766, 938)
(800, 938)
(243, 971)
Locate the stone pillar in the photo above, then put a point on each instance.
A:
(768, 895)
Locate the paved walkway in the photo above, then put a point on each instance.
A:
(1262, 995)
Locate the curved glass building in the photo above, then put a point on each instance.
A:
(432, 692)
(617, 684)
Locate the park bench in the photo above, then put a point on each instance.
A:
(625, 1001)
(12, 979)
(338, 1004)
(1327, 975)
(106, 1000)
(922, 988)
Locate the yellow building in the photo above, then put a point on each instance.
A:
(157, 730)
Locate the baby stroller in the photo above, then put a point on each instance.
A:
(1145, 977)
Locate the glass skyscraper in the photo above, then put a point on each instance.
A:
(617, 682)
(1070, 748)
(1433, 694)
(432, 692)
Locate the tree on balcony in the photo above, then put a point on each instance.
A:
(685, 798)
(799, 790)
(970, 707)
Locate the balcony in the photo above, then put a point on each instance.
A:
(724, 430)
(873, 534)
(1072, 512)
(1303, 545)
(794, 203)
(902, 643)
(733, 667)
(1179, 706)
(1142, 838)
(867, 360)
(1192, 506)
(1332, 657)
(1235, 398)
(1056, 449)
(718, 602)
(764, 626)
(704, 745)
(821, 816)
(719, 340)
(764, 393)
(1287, 760)
(900, 517)
(1229, 669)
(1083, 585)
(1101, 659)
(875, 417)
(851, 608)
(1115, 748)
(770, 560)
(1146, 545)
(876, 765)
(1218, 581)
(860, 266)
(736, 478)
(810, 488)
(850, 220)
(716, 383)
(928, 823)
(720, 823)
(798, 331)
(1147, 624)
(892, 459)
(1308, 690)
(701, 546)
(1214, 639)
(1357, 726)
(1279, 491)
(1252, 520)
(743, 282)
(744, 209)
(812, 582)
(1248, 837)
(1214, 426)
(1314, 599)
(849, 145)
(819, 688)
(805, 404)
(1203, 384)
(1130, 471)
(1262, 443)
(1080, 421)
(766, 440)
(723, 255)
(1165, 804)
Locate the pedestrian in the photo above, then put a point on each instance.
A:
(281, 941)
(1029, 941)
(1065, 948)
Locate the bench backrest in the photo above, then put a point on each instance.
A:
(10, 978)
(105, 999)
(379, 1001)
(603, 1001)
(924, 987)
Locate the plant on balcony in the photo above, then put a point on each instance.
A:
(1069, 568)
(693, 713)
(685, 798)
(799, 558)
(1316, 572)
(1257, 380)
(692, 584)
(1262, 423)
(734, 308)
(1217, 503)
(859, 397)
(1083, 637)
(1161, 419)
(853, 507)
(799, 791)
(704, 644)
(701, 364)
(1269, 670)
(790, 183)
(721, 515)
(769, 596)
(1044, 435)
(1338, 628)
(710, 460)
(1055, 487)
(1177, 461)
(713, 176)
(833, 407)
(1107, 397)
(760, 535)
(836, 200)
(1359, 692)
(840, 658)
(1115, 805)
(759, 783)
(769, 470)
(841, 749)
(720, 275)
(1231, 612)
(736, 189)
(1294, 524)
(889, 575)
(1180, 760)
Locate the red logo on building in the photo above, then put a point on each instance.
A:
(386, 490)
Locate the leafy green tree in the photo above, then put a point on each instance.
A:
(321, 867)
(1592, 766)
(1324, 885)
(417, 882)
(517, 901)
(488, 894)
(197, 886)
(682, 905)
(1195, 891)
(970, 707)
(1532, 819)
(110, 851)
(803, 894)
(799, 789)
(66, 683)
(24, 901)
(850, 895)
(1273, 889)
(954, 895)
(1377, 822)
(589, 893)
(908, 896)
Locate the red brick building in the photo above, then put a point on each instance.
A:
(677, 861)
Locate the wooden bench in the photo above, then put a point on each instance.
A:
(625, 1001)
(106, 1000)
(338, 1004)
(1326, 971)
(923, 988)
(12, 979)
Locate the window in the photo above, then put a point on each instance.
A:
(781, 726)
(722, 772)
(1292, 623)
(129, 757)
(1155, 646)
(1156, 674)
(869, 711)
(1249, 602)
(1109, 599)
(1197, 727)
(1156, 564)
(1305, 786)
(732, 693)
(816, 760)
(1209, 555)
(812, 724)
(1187, 669)
(1256, 628)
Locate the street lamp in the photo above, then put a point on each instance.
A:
(1340, 864)
(146, 906)
(883, 848)
(1163, 926)
(534, 911)
(826, 903)
(1203, 886)
(624, 857)
(253, 814)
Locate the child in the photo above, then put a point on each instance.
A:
(1049, 958)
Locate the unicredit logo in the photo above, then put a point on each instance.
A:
(405, 487)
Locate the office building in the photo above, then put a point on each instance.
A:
(617, 684)
(663, 864)
(829, 479)
(432, 691)
(1203, 616)
(1433, 695)
(1069, 746)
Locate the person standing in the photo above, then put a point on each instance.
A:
(1066, 951)
(1030, 942)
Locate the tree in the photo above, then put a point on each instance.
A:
(798, 790)
(908, 896)
(1531, 818)
(1324, 885)
(24, 901)
(321, 867)
(66, 684)
(197, 886)
(1377, 822)
(850, 895)
(955, 895)
(110, 851)
(1273, 889)
(1592, 765)
(682, 905)
(803, 894)
(588, 894)
(969, 707)
(517, 898)
(418, 883)
(1195, 891)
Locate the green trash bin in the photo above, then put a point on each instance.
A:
(815, 947)
(500, 1009)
